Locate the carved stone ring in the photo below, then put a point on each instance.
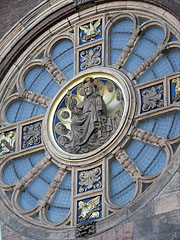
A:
(84, 126)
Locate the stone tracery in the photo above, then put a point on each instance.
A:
(64, 127)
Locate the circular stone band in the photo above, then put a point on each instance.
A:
(58, 153)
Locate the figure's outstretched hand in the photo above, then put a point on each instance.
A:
(71, 101)
(69, 94)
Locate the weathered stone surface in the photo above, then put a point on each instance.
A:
(168, 236)
(173, 185)
(160, 225)
(111, 234)
(143, 213)
(6, 231)
(14, 237)
(125, 231)
(167, 202)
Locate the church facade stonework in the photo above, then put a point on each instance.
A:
(89, 122)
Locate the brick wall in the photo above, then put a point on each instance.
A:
(11, 11)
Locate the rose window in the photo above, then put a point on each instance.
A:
(91, 120)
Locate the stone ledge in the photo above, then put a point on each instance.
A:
(167, 202)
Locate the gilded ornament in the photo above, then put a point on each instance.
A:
(90, 31)
(96, 110)
(90, 209)
(176, 82)
(7, 142)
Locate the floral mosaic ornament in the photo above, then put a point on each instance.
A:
(90, 57)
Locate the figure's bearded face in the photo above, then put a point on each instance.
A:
(88, 89)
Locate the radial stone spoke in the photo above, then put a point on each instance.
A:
(54, 71)
(54, 186)
(148, 137)
(35, 98)
(127, 50)
(128, 165)
(149, 61)
(35, 171)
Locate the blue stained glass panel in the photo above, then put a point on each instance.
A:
(19, 167)
(38, 188)
(148, 158)
(122, 187)
(146, 45)
(119, 36)
(27, 201)
(167, 64)
(39, 80)
(63, 56)
(21, 110)
(9, 175)
(60, 205)
(49, 173)
(166, 125)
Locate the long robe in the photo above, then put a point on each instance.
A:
(84, 117)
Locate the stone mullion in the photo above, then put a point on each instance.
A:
(45, 202)
(34, 98)
(54, 186)
(153, 139)
(128, 164)
(21, 184)
(156, 113)
(148, 62)
(34, 172)
(54, 71)
(127, 49)
(148, 137)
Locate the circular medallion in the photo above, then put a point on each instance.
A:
(88, 116)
